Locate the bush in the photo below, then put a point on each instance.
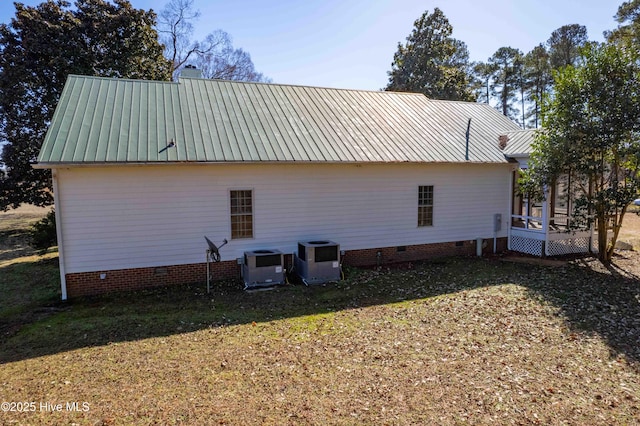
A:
(42, 234)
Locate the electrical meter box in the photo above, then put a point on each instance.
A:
(497, 222)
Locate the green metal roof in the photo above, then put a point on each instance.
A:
(104, 120)
(520, 143)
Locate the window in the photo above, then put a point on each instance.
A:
(425, 205)
(241, 214)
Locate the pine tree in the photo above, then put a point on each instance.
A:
(507, 79)
(628, 18)
(565, 44)
(537, 81)
(482, 77)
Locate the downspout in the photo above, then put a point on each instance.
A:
(479, 240)
(545, 219)
(512, 177)
(58, 210)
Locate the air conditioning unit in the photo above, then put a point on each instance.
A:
(263, 268)
(317, 262)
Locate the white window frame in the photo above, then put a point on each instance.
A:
(235, 235)
(424, 207)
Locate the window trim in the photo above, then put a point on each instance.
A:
(423, 204)
(232, 215)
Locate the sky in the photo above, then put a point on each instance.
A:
(351, 43)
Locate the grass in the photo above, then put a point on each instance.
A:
(457, 341)
(29, 282)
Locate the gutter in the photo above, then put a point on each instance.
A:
(62, 165)
(58, 210)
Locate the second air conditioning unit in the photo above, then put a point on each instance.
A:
(318, 261)
(263, 268)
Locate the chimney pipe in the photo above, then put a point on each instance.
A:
(190, 71)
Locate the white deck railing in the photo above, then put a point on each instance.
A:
(534, 237)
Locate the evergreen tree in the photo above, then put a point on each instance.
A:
(481, 83)
(38, 50)
(537, 81)
(628, 18)
(507, 79)
(565, 44)
(432, 62)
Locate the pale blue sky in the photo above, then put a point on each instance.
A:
(350, 43)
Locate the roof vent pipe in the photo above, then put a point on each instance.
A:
(466, 154)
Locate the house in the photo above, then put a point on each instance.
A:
(143, 170)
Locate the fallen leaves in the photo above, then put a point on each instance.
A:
(457, 341)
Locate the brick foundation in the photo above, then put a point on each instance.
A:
(90, 283)
(390, 255)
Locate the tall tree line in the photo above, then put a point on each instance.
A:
(518, 82)
(433, 62)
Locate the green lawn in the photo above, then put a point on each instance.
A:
(457, 341)
(29, 283)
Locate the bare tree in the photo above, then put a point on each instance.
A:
(229, 64)
(215, 54)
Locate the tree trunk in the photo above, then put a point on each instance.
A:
(604, 254)
(616, 231)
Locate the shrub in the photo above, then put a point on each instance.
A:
(42, 234)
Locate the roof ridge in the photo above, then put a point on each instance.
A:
(99, 77)
(522, 131)
(301, 86)
(239, 82)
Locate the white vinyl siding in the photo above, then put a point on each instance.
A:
(145, 216)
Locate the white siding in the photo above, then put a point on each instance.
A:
(128, 217)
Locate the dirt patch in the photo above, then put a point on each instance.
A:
(530, 260)
(630, 232)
